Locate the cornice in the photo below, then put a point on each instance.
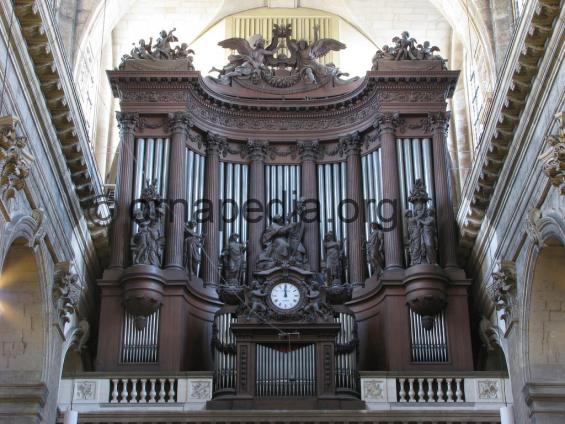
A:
(518, 75)
(56, 85)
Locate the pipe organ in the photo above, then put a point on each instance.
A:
(328, 247)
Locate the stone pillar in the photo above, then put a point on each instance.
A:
(121, 227)
(447, 241)
(256, 150)
(309, 151)
(386, 124)
(215, 145)
(351, 145)
(178, 125)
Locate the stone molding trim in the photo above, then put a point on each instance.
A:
(545, 400)
(553, 160)
(522, 68)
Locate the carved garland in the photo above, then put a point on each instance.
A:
(14, 161)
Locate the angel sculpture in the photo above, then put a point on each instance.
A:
(404, 48)
(251, 60)
(143, 50)
(163, 48)
(306, 54)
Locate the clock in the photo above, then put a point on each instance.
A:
(285, 296)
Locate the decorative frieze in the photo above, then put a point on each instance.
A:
(502, 290)
(553, 160)
(14, 161)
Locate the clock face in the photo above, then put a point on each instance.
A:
(285, 296)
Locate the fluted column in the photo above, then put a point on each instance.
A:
(256, 209)
(353, 210)
(178, 125)
(447, 241)
(215, 145)
(386, 124)
(309, 151)
(121, 227)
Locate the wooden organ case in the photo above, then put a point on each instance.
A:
(282, 226)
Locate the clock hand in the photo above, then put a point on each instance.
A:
(285, 291)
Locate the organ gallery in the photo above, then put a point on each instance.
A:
(292, 228)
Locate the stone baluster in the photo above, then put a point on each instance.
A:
(133, 390)
(421, 390)
(178, 125)
(143, 393)
(386, 124)
(215, 146)
(439, 390)
(121, 227)
(114, 394)
(309, 151)
(354, 209)
(447, 240)
(449, 390)
(161, 390)
(152, 392)
(411, 391)
(255, 214)
(430, 390)
(458, 391)
(402, 392)
(171, 393)
(124, 392)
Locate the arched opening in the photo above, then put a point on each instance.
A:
(546, 329)
(21, 317)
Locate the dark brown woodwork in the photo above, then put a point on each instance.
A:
(354, 210)
(309, 151)
(214, 144)
(447, 240)
(121, 228)
(256, 150)
(386, 124)
(178, 125)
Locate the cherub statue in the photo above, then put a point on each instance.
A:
(255, 301)
(404, 46)
(251, 60)
(306, 56)
(143, 50)
(163, 48)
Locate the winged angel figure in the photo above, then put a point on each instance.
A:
(306, 56)
(250, 61)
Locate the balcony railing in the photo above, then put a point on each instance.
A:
(99, 393)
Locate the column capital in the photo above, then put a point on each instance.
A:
(386, 122)
(439, 121)
(309, 150)
(350, 144)
(215, 144)
(128, 122)
(257, 150)
(179, 122)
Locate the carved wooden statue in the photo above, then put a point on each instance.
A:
(374, 248)
(422, 229)
(192, 249)
(334, 257)
(233, 260)
(282, 241)
(147, 243)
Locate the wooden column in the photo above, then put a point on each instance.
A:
(214, 146)
(386, 123)
(121, 227)
(447, 241)
(309, 151)
(178, 125)
(256, 150)
(353, 210)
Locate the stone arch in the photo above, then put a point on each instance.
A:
(29, 356)
(543, 306)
